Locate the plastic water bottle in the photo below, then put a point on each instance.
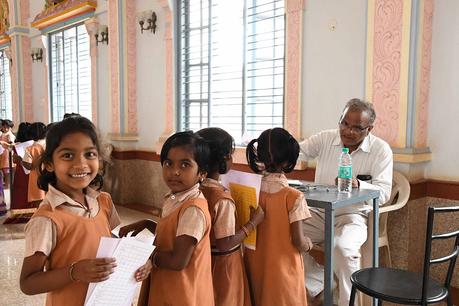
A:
(345, 172)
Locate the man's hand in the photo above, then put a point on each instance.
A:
(355, 182)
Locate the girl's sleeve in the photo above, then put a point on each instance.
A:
(27, 156)
(114, 219)
(40, 236)
(224, 224)
(192, 222)
(300, 210)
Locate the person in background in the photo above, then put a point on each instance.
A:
(371, 157)
(7, 138)
(31, 160)
(19, 196)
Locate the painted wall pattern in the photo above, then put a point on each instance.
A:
(114, 94)
(386, 67)
(424, 83)
(91, 26)
(131, 50)
(293, 40)
(169, 72)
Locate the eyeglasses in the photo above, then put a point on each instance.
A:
(343, 125)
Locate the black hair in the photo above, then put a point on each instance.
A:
(276, 150)
(8, 123)
(221, 145)
(68, 115)
(54, 137)
(23, 133)
(195, 143)
(37, 131)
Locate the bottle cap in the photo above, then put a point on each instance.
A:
(345, 150)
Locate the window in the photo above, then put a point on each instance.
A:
(6, 104)
(231, 65)
(70, 72)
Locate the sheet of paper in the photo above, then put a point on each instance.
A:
(20, 147)
(245, 190)
(20, 150)
(130, 253)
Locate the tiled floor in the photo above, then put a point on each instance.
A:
(11, 256)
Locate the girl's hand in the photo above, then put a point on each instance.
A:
(135, 228)
(257, 215)
(142, 273)
(308, 244)
(17, 159)
(93, 270)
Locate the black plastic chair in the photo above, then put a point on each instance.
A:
(404, 287)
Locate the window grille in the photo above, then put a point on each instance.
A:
(6, 104)
(70, 72)
(231, 65)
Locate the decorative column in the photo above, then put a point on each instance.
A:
(399, 40)
(92, 26)
(21, 72)
(169, 93)
(293, 47)
(123, 95)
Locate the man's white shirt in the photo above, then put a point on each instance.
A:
(373, 157)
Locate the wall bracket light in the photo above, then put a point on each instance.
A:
(147, 21)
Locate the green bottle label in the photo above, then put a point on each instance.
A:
(345, 172)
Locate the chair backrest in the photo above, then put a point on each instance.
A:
(431, 236)
(398, 198)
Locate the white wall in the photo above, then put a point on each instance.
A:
(151, 83)
(333, 61)
(443, 134)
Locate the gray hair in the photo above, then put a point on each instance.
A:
(361, 105)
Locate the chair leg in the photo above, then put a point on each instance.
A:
(389, 258)
(449, 300)
(352, 298)
(379, 302)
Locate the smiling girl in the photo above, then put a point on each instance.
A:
(63, 235)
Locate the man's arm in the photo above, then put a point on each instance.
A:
(310, 147)
(381, 174)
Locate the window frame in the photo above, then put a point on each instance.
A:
(179, 60)
(50, 69)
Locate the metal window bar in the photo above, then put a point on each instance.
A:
(208, 90)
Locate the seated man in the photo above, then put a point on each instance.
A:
(371, 156)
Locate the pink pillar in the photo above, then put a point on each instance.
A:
(122, 43)
(293, 41)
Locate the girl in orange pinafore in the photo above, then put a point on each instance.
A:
(30, 161)
(64, 234)
(181, 274)
(7, 138)
(228, 271)
(275, 268)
